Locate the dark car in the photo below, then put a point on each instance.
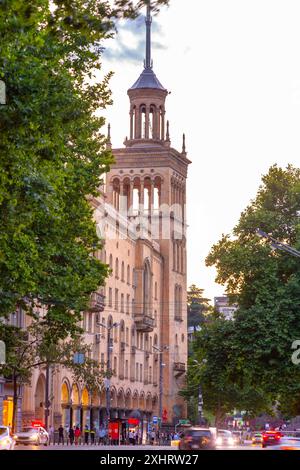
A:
(270, 438)
(197, 438)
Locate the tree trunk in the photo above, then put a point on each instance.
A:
(15, 403)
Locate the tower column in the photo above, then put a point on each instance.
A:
(163, 112)
(141, 197)
(147, 123)
(131, 123)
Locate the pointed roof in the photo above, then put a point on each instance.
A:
(148, 79)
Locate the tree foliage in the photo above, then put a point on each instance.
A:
(197, 305)
(249, 364)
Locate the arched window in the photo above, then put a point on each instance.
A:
(117, 269)
(110, 261)
(123, 272)
(128, 274)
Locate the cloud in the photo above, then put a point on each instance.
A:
(129, 44)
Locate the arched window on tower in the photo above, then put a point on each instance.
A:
(143, 121)
(152, 122)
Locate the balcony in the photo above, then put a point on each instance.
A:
(179, 368)
(143, 322)
(97, 303)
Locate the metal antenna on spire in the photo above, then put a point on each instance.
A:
(148, 62)
(183, 145)
(108, 140)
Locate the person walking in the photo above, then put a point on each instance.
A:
(92, 433)
(51, 434)
(61, 435)
(77, 435)
(71, 435)
(102, 434)
(86, 434)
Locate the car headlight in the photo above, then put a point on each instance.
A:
(4, 442)
(219, 440)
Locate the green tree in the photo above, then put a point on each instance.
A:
(33, 347)
(197, 306)
(53, 153)
(266, 286)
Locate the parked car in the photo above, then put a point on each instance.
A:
(224, 437)
(32, 436)
(270, 438)
(6, 441)
(197, 438)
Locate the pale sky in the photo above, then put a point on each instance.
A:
(233, 69)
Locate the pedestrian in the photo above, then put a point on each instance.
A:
(131, 437)
(92, 433)
(77, 435)
(61, 435)
(102, 435)
(86, 434)
(51, 434)
(152, 437)
(71, 435)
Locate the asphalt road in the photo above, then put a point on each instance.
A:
(120, 448)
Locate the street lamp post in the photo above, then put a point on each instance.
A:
(108, 368)
(200, 396)
(277, 245)
(161, 366)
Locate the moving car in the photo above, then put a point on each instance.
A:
(238, 437)
(31, 435)
(224, 437)
(286, 443)
(197, 438)
(6, 441)
(257, 438)
(270, 438)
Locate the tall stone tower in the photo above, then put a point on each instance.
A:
(147, 184)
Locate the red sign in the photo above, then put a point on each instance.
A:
(133, 421)
(37, 424)
(165, 415)
(113, 431)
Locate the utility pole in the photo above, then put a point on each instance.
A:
(108, 368)
(47, 401)
(161, 366)
(200, 405)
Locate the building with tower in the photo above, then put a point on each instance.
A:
(137, 323)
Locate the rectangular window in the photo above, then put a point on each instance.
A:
(117, 300)
(110, 297)
(136, 371)
(122, 303)
(128, 304)
(115, 365)
(126, 369)
(141, 372)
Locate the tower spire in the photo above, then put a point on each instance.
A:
(148, 61)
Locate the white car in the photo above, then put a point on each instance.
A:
(32, 436)
(6, 442)
(224, 438)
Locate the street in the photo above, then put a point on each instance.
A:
(121, 448)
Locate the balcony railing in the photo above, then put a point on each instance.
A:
(179, 367)
(144, 322)
(97, 302)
